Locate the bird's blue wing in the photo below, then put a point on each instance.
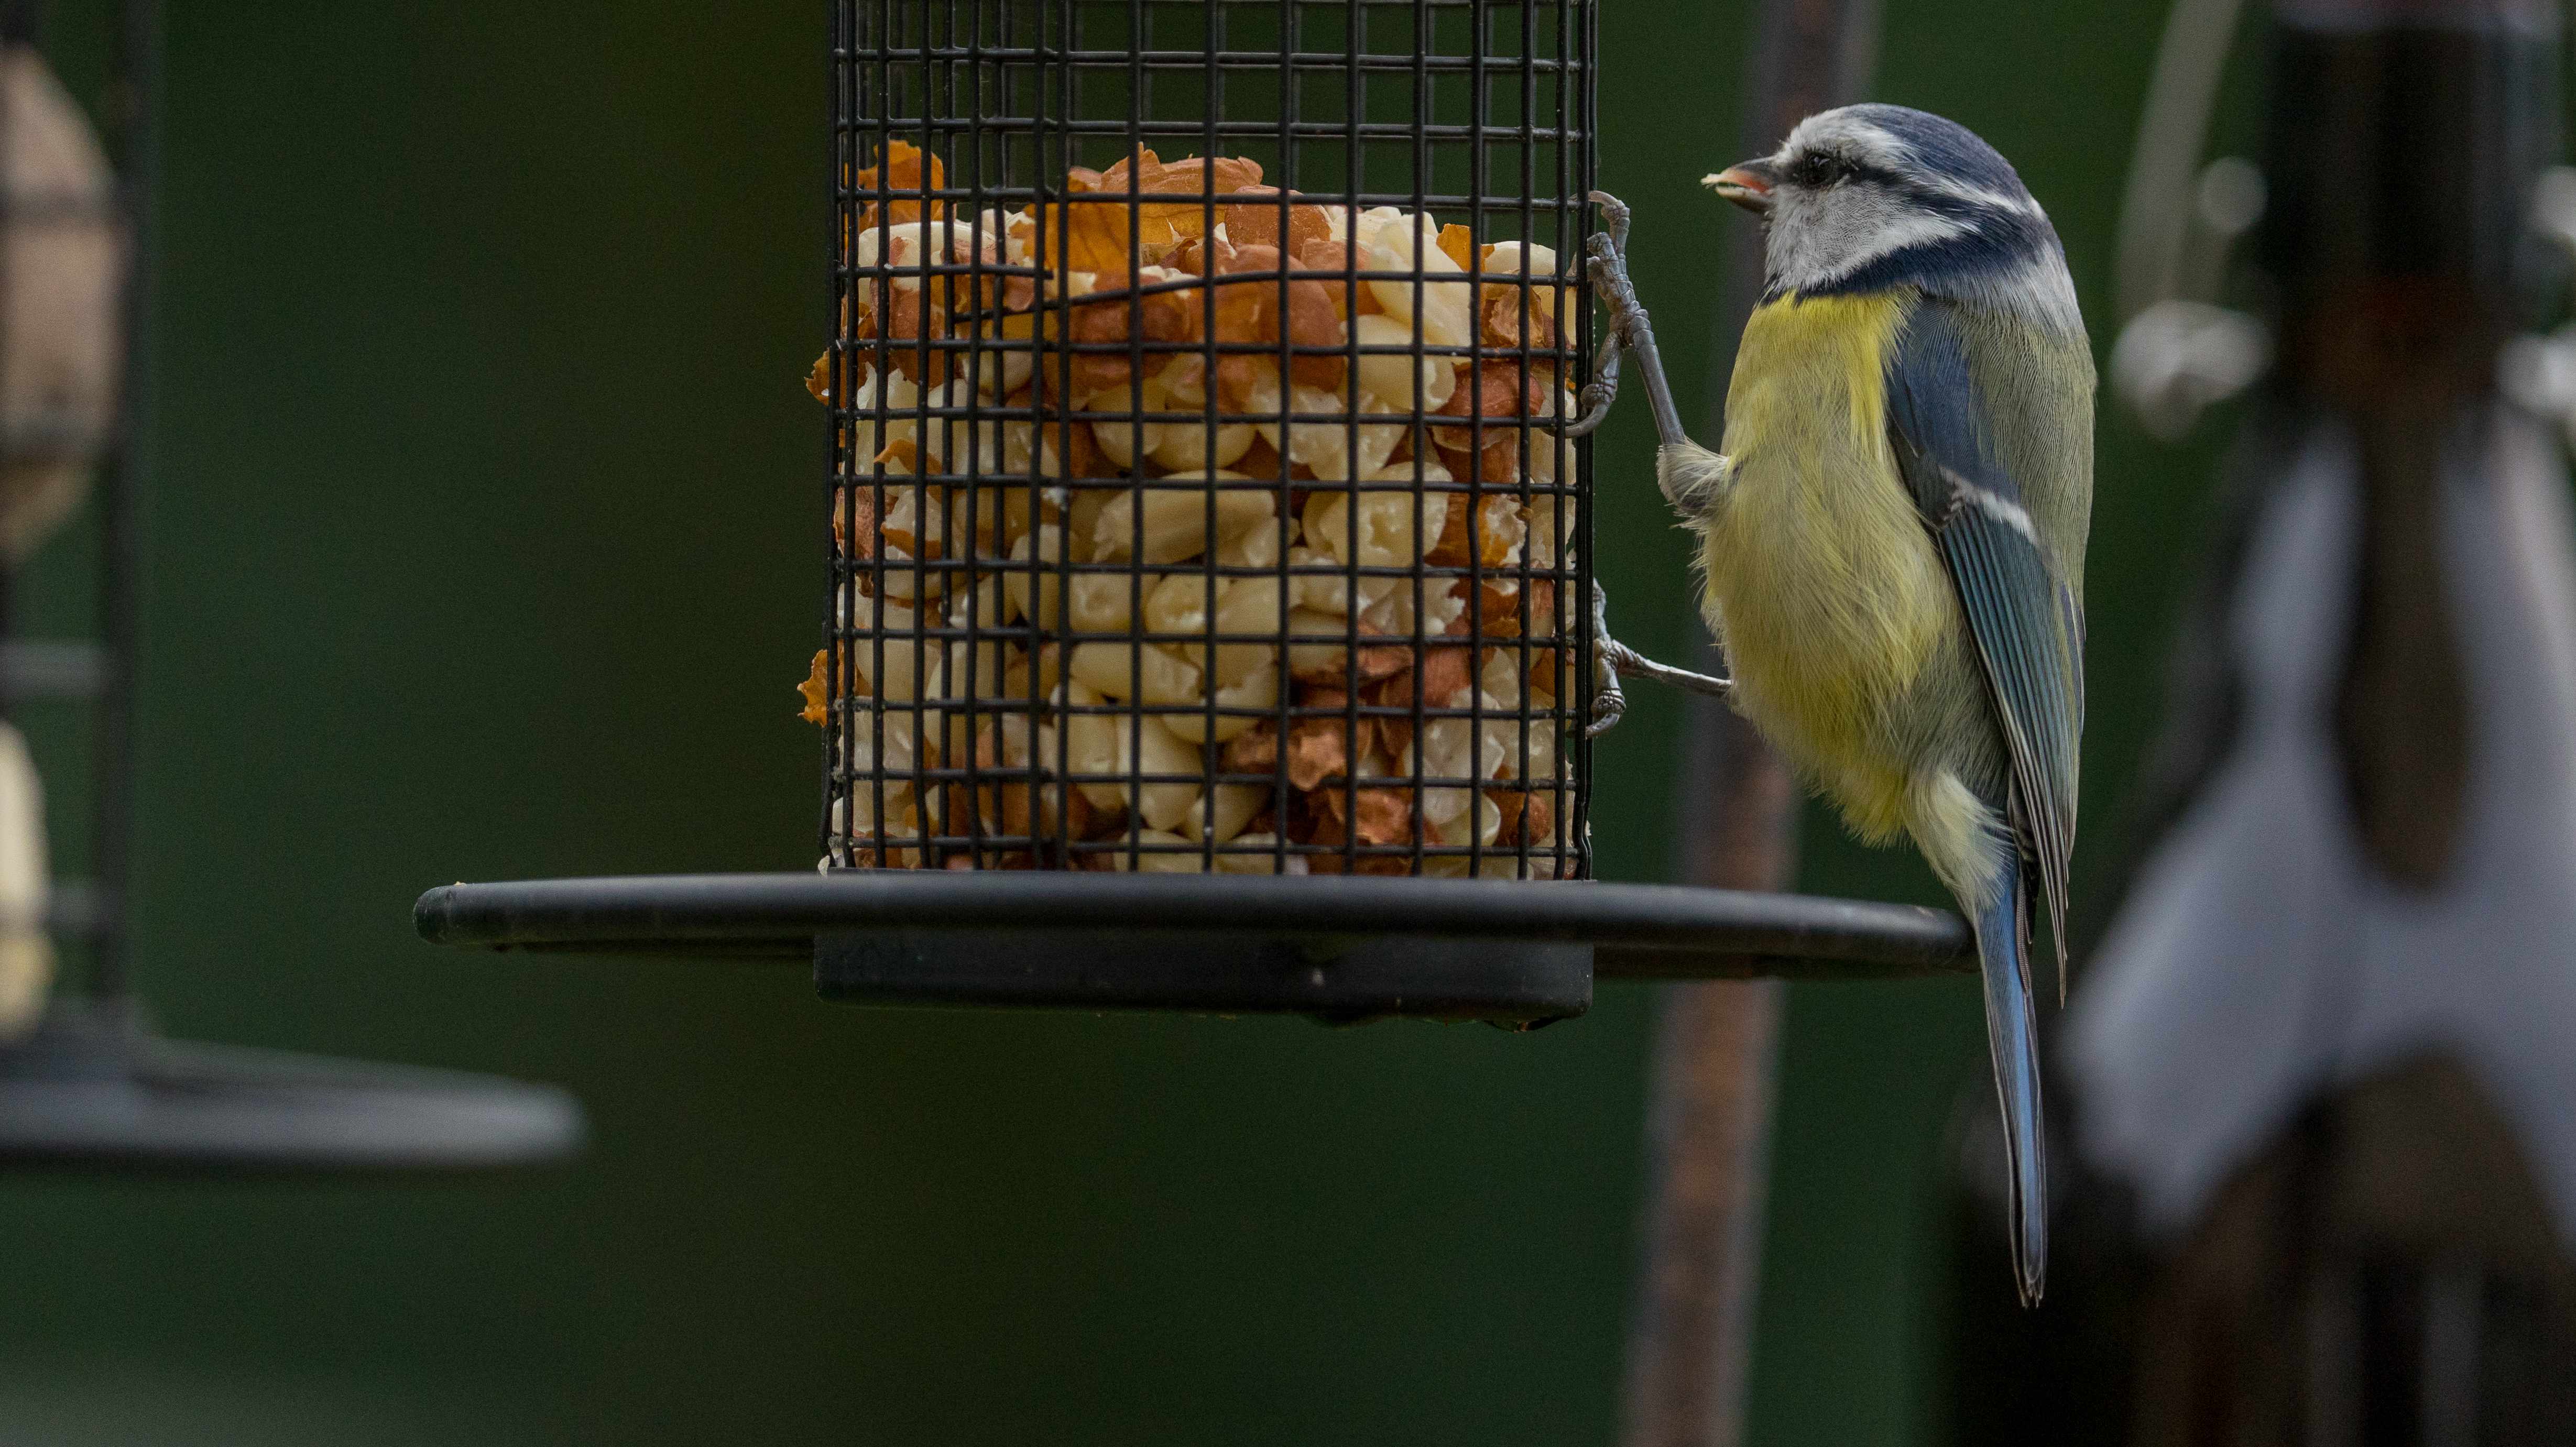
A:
(2027, 619)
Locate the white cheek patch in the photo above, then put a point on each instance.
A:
(1821, 238)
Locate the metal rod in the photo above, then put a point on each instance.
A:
(1690, 1341)
(20, 24)
(1656, 931)
(119, 511)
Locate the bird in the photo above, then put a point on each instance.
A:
(1892, 533)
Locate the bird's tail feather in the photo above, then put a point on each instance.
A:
(2012, 1034)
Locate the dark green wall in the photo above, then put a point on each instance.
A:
(483, 544)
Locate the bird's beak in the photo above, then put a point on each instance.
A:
(1747, 184)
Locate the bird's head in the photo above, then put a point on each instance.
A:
(1872, 196)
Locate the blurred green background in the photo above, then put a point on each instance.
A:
(484, 542)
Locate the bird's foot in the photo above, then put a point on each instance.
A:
(1605, 271)
(1609, 701)
(1616, 660)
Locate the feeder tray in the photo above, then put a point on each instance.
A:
(1355, 947)
(91, 1088)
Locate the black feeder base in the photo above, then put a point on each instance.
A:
(1339, 948)
(90, 1089)
(1507, 982)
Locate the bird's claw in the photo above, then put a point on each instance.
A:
(1606, 265)
(1605, 272)
(1609, 705)
(1614, 217)
(1609, 701)
(1599, 393)
(1614, 660)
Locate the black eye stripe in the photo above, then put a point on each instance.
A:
(1827, 168)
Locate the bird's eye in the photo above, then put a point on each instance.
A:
(1819, 168)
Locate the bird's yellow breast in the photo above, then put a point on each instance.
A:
(1821, 580)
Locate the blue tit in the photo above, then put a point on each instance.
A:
(1893, 535)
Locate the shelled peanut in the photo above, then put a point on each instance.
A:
(1391, 534)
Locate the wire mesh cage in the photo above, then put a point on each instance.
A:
(1207, 514)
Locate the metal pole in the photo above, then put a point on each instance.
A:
(119, 501)
(1690, 1342)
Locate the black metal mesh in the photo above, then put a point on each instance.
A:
(1157, 549)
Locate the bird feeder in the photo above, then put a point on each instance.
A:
(84, 1082)
(1209, 617)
